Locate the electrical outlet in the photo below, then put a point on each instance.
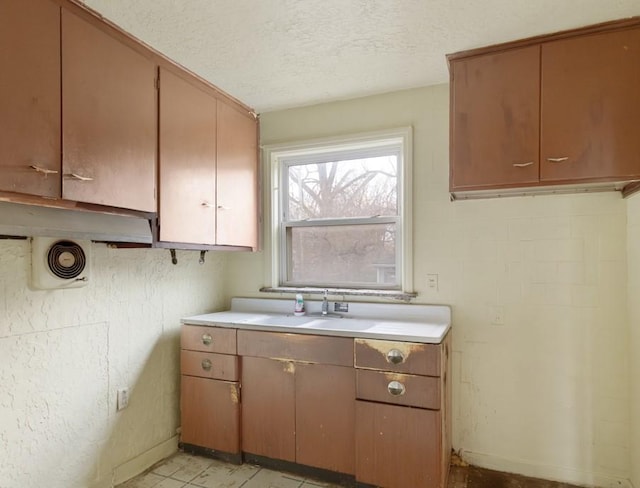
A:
(123, 398)
(497, 315)
(432, 282)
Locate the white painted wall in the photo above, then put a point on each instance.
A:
(633, 249)
(539, 297)
(63, 354)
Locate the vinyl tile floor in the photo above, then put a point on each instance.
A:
(188, 471)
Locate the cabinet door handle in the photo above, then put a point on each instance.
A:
(557, 160)
(395, 357)
(396, 388)
(78, 177)
(523, 165)
(207, 204)
(42, 170)
(222, 207)
(207, 339)
(206, 364)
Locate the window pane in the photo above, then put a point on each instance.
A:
(347, 188)
(344, 254)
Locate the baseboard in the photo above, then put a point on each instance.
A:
(102, 484)
(553, 473)
(140, 463)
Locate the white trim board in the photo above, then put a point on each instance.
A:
(140, 463)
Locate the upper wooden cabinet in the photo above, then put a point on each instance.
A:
(109, 125)
(495, 119)
(187, 158)
(30, 97)
(208, 168)
(237, 184)
(591, 107)
(90, 115)
(558, 109)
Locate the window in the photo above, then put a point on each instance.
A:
(340, 212)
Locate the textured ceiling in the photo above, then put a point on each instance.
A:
(275, 54)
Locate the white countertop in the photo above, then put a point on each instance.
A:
(413, 323)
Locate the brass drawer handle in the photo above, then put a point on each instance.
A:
(206, 364)
(523, 165)
(395, 357)
(557, 160)
(207, 339)
(396, 388)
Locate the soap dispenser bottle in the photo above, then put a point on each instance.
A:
(299, 306)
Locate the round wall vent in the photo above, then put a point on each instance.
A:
(66, 259)
(59, 263)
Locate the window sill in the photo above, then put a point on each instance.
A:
(393, 294)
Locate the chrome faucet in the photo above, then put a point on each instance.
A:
(325, 303)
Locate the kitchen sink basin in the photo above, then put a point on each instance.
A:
(330, 315)
(342, 325)
(284, 320)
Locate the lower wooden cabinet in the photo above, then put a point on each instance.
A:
(268, 408)
(403, 427)
(304, 402)
(325, 417)
(297, 411)
(210, 389)
(396, 446)
(210, 412)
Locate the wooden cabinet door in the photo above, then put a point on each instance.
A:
(187, 162)
(237, 186)
(325, 417)
(397, 447)
(268, 408)
(30, 97)
(591, 107)
(495, 119)
(210, 413)
(109, 119)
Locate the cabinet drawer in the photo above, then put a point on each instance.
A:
(208, 339)
(399, 357)
(398, 389)
(297, 347)
(209, 365)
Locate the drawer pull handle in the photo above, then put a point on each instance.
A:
(207, 339)
(396, 388)
(206, 364)
(523, 165)
(395, 357)
(77, 177)
(557, 160)
(42, 170)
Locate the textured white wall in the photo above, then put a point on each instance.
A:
(63, 355)
(543, 390)
(633, 246)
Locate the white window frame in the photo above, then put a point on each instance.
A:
(276, 157)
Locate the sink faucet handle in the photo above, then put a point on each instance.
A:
(325, 303)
